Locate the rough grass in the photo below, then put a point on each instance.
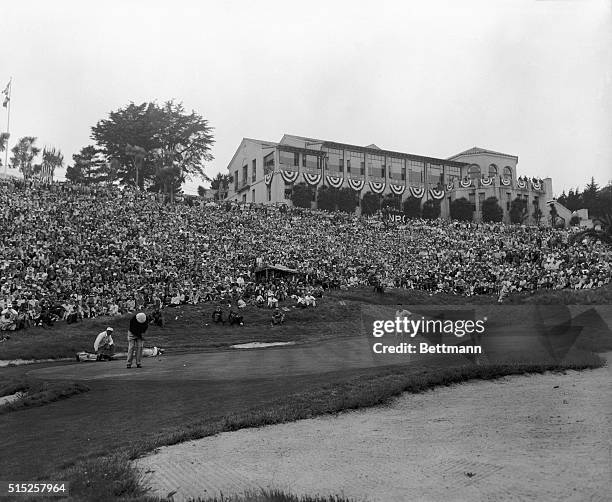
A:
(188, 328)
(368, 389)
(38, 393)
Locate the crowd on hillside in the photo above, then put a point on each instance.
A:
(75, 252)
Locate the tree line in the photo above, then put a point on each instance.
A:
(25, 157)
(149, 146)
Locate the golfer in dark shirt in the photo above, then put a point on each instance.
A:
(138, 325)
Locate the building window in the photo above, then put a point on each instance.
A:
(236, 181)
(269, 162)
(269, 193)
(435, 174)
(396, 167)
(492, 170)
(254, 168)
(288, 192)
(507, 172)
(376, 165)
(244, 197)
(245, 170)
(334, 160)
(415, 171)
(252, 195)
(296, 159)
(474, 171)
(312, 162)
(451, 173)
(353, 159)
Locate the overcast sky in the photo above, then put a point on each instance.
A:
(529, 78)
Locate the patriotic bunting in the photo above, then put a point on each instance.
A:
(356, 185)
(536, 185)
(521, 183)
(436, 194)
(268, 177)
(465, 182)
(450, 186)
(311, 179)
(485, 181)
(334, 181)
(377, 187)
(397, 189)
(289, 176)
(505, 181)
(417, 192)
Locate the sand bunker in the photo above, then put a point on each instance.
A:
(260, 345)
(541, 437)
(19, 362)
(11, 398)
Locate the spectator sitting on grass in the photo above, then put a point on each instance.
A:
(278, 317)
(310, 300)
(272, 301)
(8, 319)
(234, 318)
(217, 315)
(241, 303)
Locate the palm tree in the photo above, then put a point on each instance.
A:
(24, 153)
(51, 159)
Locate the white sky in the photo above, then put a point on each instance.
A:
(525, 77)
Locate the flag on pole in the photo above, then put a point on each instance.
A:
(7, 94)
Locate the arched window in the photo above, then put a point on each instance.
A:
(507, 172)
(474, 171)
(492, 170)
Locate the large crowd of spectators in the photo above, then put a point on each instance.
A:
(73, 252)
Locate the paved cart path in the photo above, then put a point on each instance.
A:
(541, 437)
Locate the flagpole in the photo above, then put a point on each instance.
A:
(8, 124)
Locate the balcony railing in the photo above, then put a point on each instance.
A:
(242, 185)
(289, 167)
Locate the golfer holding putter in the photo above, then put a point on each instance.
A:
(138, 325)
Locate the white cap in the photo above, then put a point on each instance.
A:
(109, 329)
(141, 317)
